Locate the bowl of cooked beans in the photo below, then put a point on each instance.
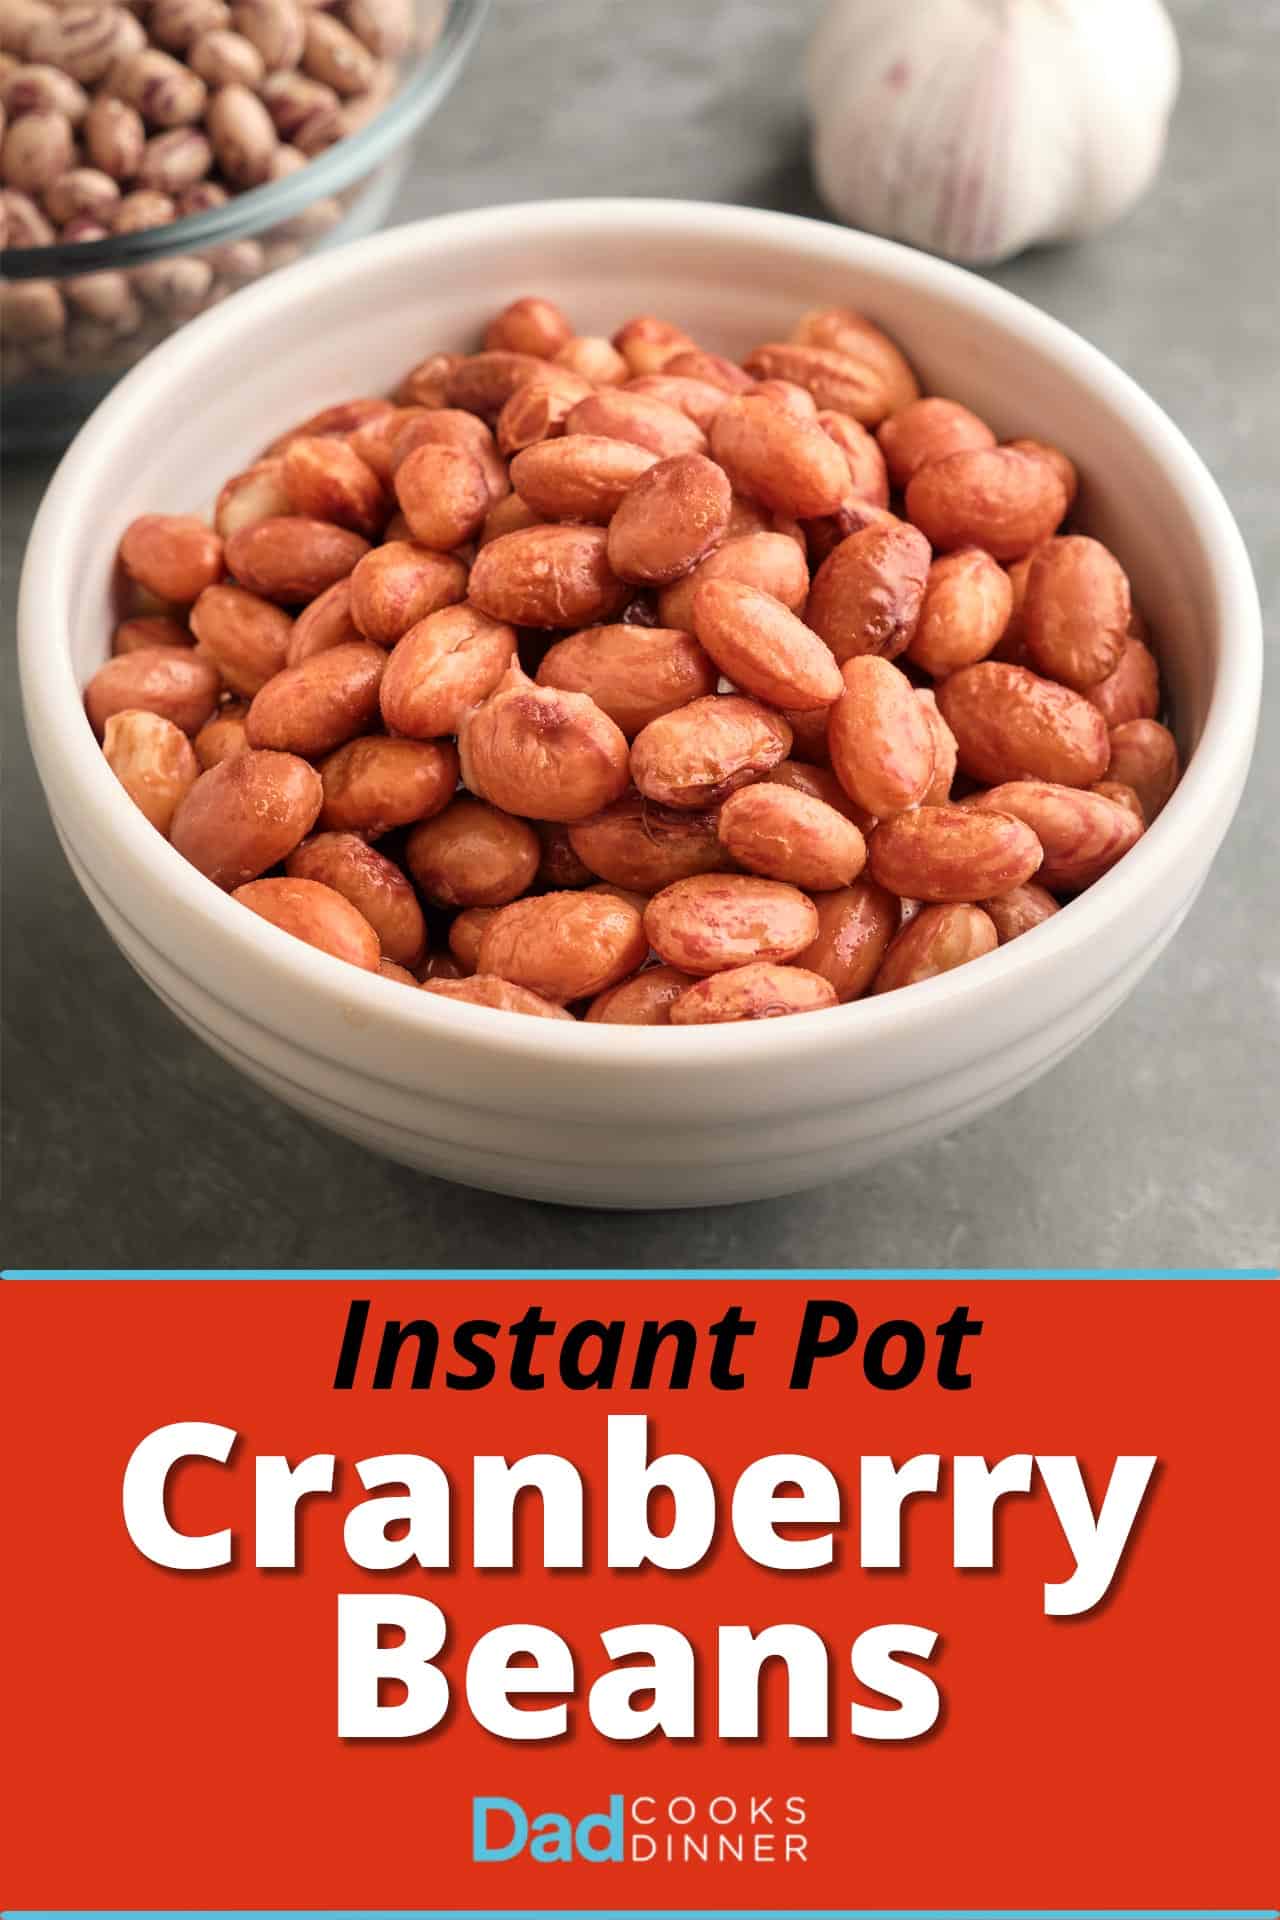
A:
(810, 673)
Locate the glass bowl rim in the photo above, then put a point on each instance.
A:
(425, 84)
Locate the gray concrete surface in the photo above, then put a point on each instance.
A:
(127, 1143)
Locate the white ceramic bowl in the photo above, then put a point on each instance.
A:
(599, 1115)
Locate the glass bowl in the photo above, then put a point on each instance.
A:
(49, 384)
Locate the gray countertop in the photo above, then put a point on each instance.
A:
(129, 1144)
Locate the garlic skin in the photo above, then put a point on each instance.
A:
(975, 128)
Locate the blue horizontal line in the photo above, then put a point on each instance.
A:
(640, 1273)
(655, 1913)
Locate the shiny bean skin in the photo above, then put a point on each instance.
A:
(889, 377)
(638, 418)
(645, 1000)
(396, 585)
(810, 742)
(926, 430)
(700, 754)
(222, 735)
(312, 708)
(698, 400)
(1011, 724)
(443, 494)
(954, 853)
(989, 497)
(934, 941)
(1082, 834)
(155, 630)
(175, 556)
(246, 637)
(771, 562)
(153, 760)
(946, 753)
(855, 926)
(392, 970)
(326, 479)
(880, 739)
(466, 930)
(1061, 463)
(758, 991)
(1123, 796)
(374, 885)
(868, 474)
(482, 383)
(787, 835)
(426, 385)
(823, 535)
(344, 417)
(315, 913)
(595, 359)
(473, 855)
(246, 814)
(718, 920)
(443, 667)
(450, 427)
(375, 440)
(785, 462)
(580, 476)
(488, 990)
(641, 846)
(1075, 613)
(510, 515)
(323, 623)
(867, 596)
(537, 411)
(1131, 691)
(1019, 910)
(1009, 647)
(647, 343)
(529, 325)
(374, 784)
(844, 361)
(547, 576)
(968, 603)
(564, 946)
(542, 753)
(171, 681)
(256, 494)
(559, 867)
(821, 784)
(691, 363)
(669, 519)
(764, 649)
(634, 674)
(1144, 755)
(292, 559)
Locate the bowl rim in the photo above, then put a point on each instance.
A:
(423, 85)
(329, 988)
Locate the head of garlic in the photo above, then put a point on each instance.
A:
(975, 128)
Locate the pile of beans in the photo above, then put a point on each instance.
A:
(615, 679)
(117, 118)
